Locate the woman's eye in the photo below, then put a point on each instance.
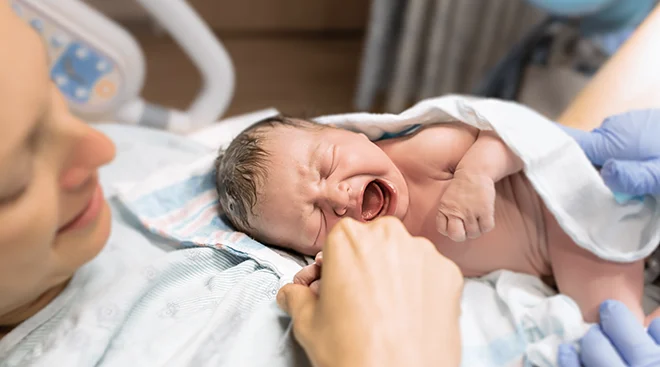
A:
(8, 199)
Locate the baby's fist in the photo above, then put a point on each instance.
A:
(467, 207)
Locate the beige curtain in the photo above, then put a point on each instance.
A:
(416, 49)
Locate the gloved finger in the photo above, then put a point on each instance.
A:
(576, 134)
(599, 145)
(567, 356)
(456, 229)
(632, 177)
(624, 331)
(654, 330)
(636, 133)
(441, 223)
(596, 350)
(652, 316)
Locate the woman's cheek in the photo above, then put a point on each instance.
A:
(27, 234)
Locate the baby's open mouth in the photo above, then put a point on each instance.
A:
(375, 200)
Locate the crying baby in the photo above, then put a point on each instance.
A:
(287, 181)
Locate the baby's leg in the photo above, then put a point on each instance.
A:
(589, 280)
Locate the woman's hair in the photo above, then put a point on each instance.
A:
(241, 169)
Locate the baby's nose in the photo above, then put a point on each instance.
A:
(340, 199)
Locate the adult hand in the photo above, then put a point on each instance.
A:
(388, 299)
(310, 275)
(618, 341)
(627, 148)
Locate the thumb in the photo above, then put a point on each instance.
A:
(654, 330)
(567, 356)
(632, 177)
(299, 302)
(599, 145)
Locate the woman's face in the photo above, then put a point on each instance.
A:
(53, 217)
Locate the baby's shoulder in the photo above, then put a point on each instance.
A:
(432, 150)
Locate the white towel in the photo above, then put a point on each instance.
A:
(558, 169)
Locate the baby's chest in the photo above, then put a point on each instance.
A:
(515, 243)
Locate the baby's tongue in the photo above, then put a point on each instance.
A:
(372, 201)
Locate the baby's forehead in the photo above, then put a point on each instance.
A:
(287, 133)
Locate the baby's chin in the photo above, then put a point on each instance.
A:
(310, 250)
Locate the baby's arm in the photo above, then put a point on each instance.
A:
(490, 157)
(467, 208)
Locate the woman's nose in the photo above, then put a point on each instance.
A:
(340, 199)
(90, 149)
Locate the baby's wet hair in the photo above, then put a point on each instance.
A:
(242, 168)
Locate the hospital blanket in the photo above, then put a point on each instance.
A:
(507, 318)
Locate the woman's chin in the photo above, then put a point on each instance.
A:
(82, 245)
(101, 232)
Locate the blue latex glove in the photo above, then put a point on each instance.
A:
(618, 341)
(627, 147)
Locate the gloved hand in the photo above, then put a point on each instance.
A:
(628, 149)
(618, 341)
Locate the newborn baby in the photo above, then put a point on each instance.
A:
(287, 181)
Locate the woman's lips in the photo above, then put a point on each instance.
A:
(88, 214)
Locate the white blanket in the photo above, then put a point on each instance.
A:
(554, 163)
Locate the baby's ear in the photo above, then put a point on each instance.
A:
(221, 212)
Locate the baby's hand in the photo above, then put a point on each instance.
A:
(310, 275)
(467, 207)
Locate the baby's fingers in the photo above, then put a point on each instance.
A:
(315, 286)
(486, 223)
(441, 223)
(307, 275)
(472, 229)
(456, 229)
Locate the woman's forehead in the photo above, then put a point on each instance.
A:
(24, 81)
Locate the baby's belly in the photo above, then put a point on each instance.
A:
(518, 242)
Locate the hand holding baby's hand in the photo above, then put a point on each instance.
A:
(310, 275)
(467, 207)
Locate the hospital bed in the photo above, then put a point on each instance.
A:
(100, 68)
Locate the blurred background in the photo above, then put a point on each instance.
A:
(309, 58)
(299, 56)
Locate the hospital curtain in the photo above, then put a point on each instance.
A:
(416, 49)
